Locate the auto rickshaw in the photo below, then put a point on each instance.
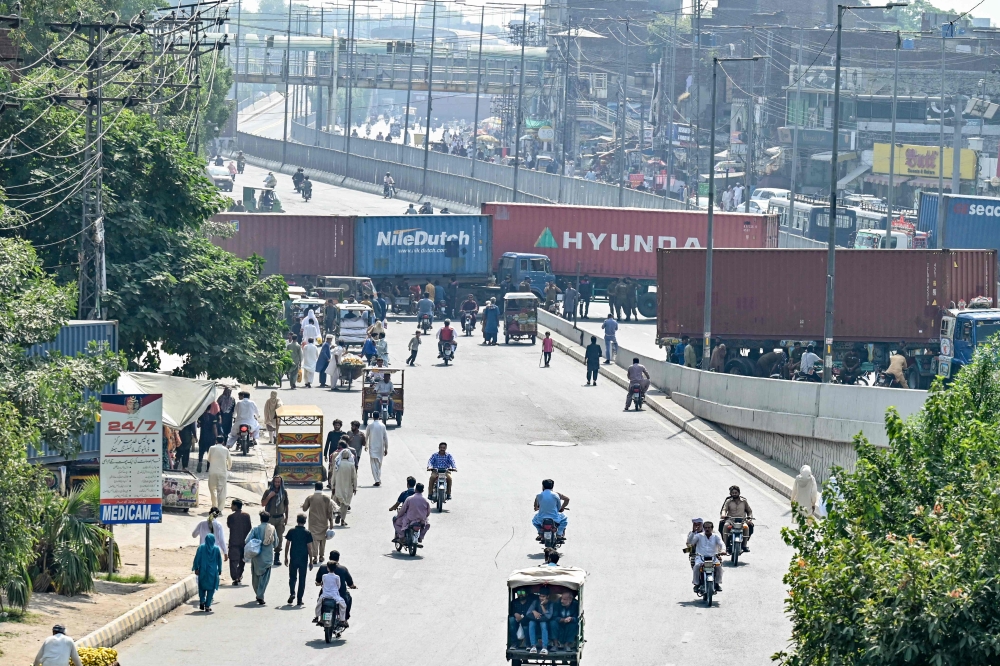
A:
(552, 583)
(370, 402)
(520, 313)
(299, 307)
(299, 443)
(350, 326)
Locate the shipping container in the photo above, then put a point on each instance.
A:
(423, 246)
(880, 295)
(293, 245)
(969, 222)
(617, 242)
(75, 338)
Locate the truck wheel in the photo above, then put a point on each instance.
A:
(647, 305)
(913, 378)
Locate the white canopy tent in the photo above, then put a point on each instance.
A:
(184, 400)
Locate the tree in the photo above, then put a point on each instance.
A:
(905, 568)
(41, 399)
(168, 286)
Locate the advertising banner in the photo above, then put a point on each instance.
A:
(131, 458)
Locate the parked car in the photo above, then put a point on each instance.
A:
(221, 177)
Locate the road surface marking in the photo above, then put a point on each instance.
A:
(595, 454)
(686, 638)
(381, 600)
(669, 519)
(630, 482)
(650, 499)
(612, 467)
(397, 575)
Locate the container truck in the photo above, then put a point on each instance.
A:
(965, 222)
(883, 301)
(612, 243)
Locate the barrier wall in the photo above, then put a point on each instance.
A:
(795, 423)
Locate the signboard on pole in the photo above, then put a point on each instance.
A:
(131, 458)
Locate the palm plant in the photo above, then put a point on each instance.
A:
(71, 543)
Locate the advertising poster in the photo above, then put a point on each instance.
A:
(131, 458)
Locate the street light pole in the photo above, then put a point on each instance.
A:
(520, 93)
(834, 172)
(706, 350)
(890, 200)
(430, 86)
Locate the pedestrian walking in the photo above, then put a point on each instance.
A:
(211, 428)
(298, 551)
(592, 355)
(336, 353)
(310, 354)
(219, 463)
(239, 527)
(382, 348)
(805, 493)
(330, 447)
(227, 407)
(310, 327)
(357, 441)
(275, 503)
(377, 441)
(345, 486)
(271, 416)
(58, 650)
(413, 346)
(295, 351)
(570, 298)
(208, 566)
(320, 508)
(182, 455)
(323, 361)
(548, 344)
(264, 537)
(610, 328)
(491, 322)
(211, 525)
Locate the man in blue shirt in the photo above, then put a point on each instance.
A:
(425, 306)
(441, 460)
(550, 504)
(610, 328)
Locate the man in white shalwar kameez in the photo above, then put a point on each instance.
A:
(336, 354)
(310, 326)
(377, 441)
(310, 354)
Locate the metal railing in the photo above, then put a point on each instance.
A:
(605, 116)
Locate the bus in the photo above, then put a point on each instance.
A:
(812, 217)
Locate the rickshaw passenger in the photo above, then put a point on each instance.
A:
(565, 618)
(518, 617)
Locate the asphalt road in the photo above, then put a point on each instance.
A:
(635, 481)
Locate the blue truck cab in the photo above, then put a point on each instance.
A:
(519, 265)
(961, 332)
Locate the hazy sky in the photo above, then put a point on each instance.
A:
(989, 8)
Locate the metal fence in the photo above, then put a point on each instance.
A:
(449, 177)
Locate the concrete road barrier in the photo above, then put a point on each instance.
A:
(142, 615)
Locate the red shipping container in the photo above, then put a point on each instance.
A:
(293, 244)
(617, 242)
(879, 296)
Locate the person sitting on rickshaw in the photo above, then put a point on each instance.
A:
(471, 306)
(518, 619)
(384, 387)
(565, 620)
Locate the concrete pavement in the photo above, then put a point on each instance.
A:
(635, 481)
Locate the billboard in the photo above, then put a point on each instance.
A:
(131, 458)
(923, 161)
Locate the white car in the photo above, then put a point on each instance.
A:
(761, 195)
(221, 177)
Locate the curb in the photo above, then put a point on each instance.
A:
(142, 615)
(741, 456)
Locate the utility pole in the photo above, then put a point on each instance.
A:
(430, 85)
(956, 155)
(795, 134)
(696, 77)
(622, 115)
(672, 73)
(748, 158)
(941, 139)
(479, 79)
(520, 97)
(565, 124)
(409, 79)
(93, 276)
(890, 200)
(287, 70)
(236, 77)
(350, 88)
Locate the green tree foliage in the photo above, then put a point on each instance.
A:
(906, 568)
(169, 287)
(70, 545)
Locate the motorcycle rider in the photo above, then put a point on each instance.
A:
(241, 162)
(706, 545)
(637, 373)
(550, 504)
(297, 178)
(387, 184)
(425, 306)
(384, 388)
(246, 413)
(445, 335)
(426, 208)
(270, 180)
(331, 590)
(307, 188)
(735, 506)
(807, 365)
(415, 509)
(471, 306)
(441, 460)
(696, 528)
(410, 210)
(852, 367)
(897, 365)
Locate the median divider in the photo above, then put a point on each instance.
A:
(142, 615)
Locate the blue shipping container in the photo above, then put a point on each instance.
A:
(971, 223)
(75, 338)
(423, 245)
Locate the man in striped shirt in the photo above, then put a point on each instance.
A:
(441, 460)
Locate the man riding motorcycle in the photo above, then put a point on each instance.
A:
(445, 336)
(552, 505)
(441, 460)
(696, 528)
(807, 365)
(270, 180)
(706, 545)
(384, 388)
(297, 178)
(426, 208)
(736, 506)
(471, 306)
(241, 162)
(245, 413)
(425, 306)
(387, 184)
(307, 188)
(637, 374)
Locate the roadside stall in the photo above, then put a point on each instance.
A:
(299, 443)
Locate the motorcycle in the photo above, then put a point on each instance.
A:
(636, 395)
(244, 439)
(425, 323)
(885, 380)
(240, 166)
(804, 377)
(849, 377)
(738, 528)
(410, 536)
(439, 493)
(383, 408)
(330, 620)
(307, 192)
(388, 191)
(448, 352)
(706, 588)
(550, 534)
(468, 323)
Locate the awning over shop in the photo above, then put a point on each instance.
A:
(883, 179)
(827, 156)
(929, 183)
(852, 174)
(184, 400)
